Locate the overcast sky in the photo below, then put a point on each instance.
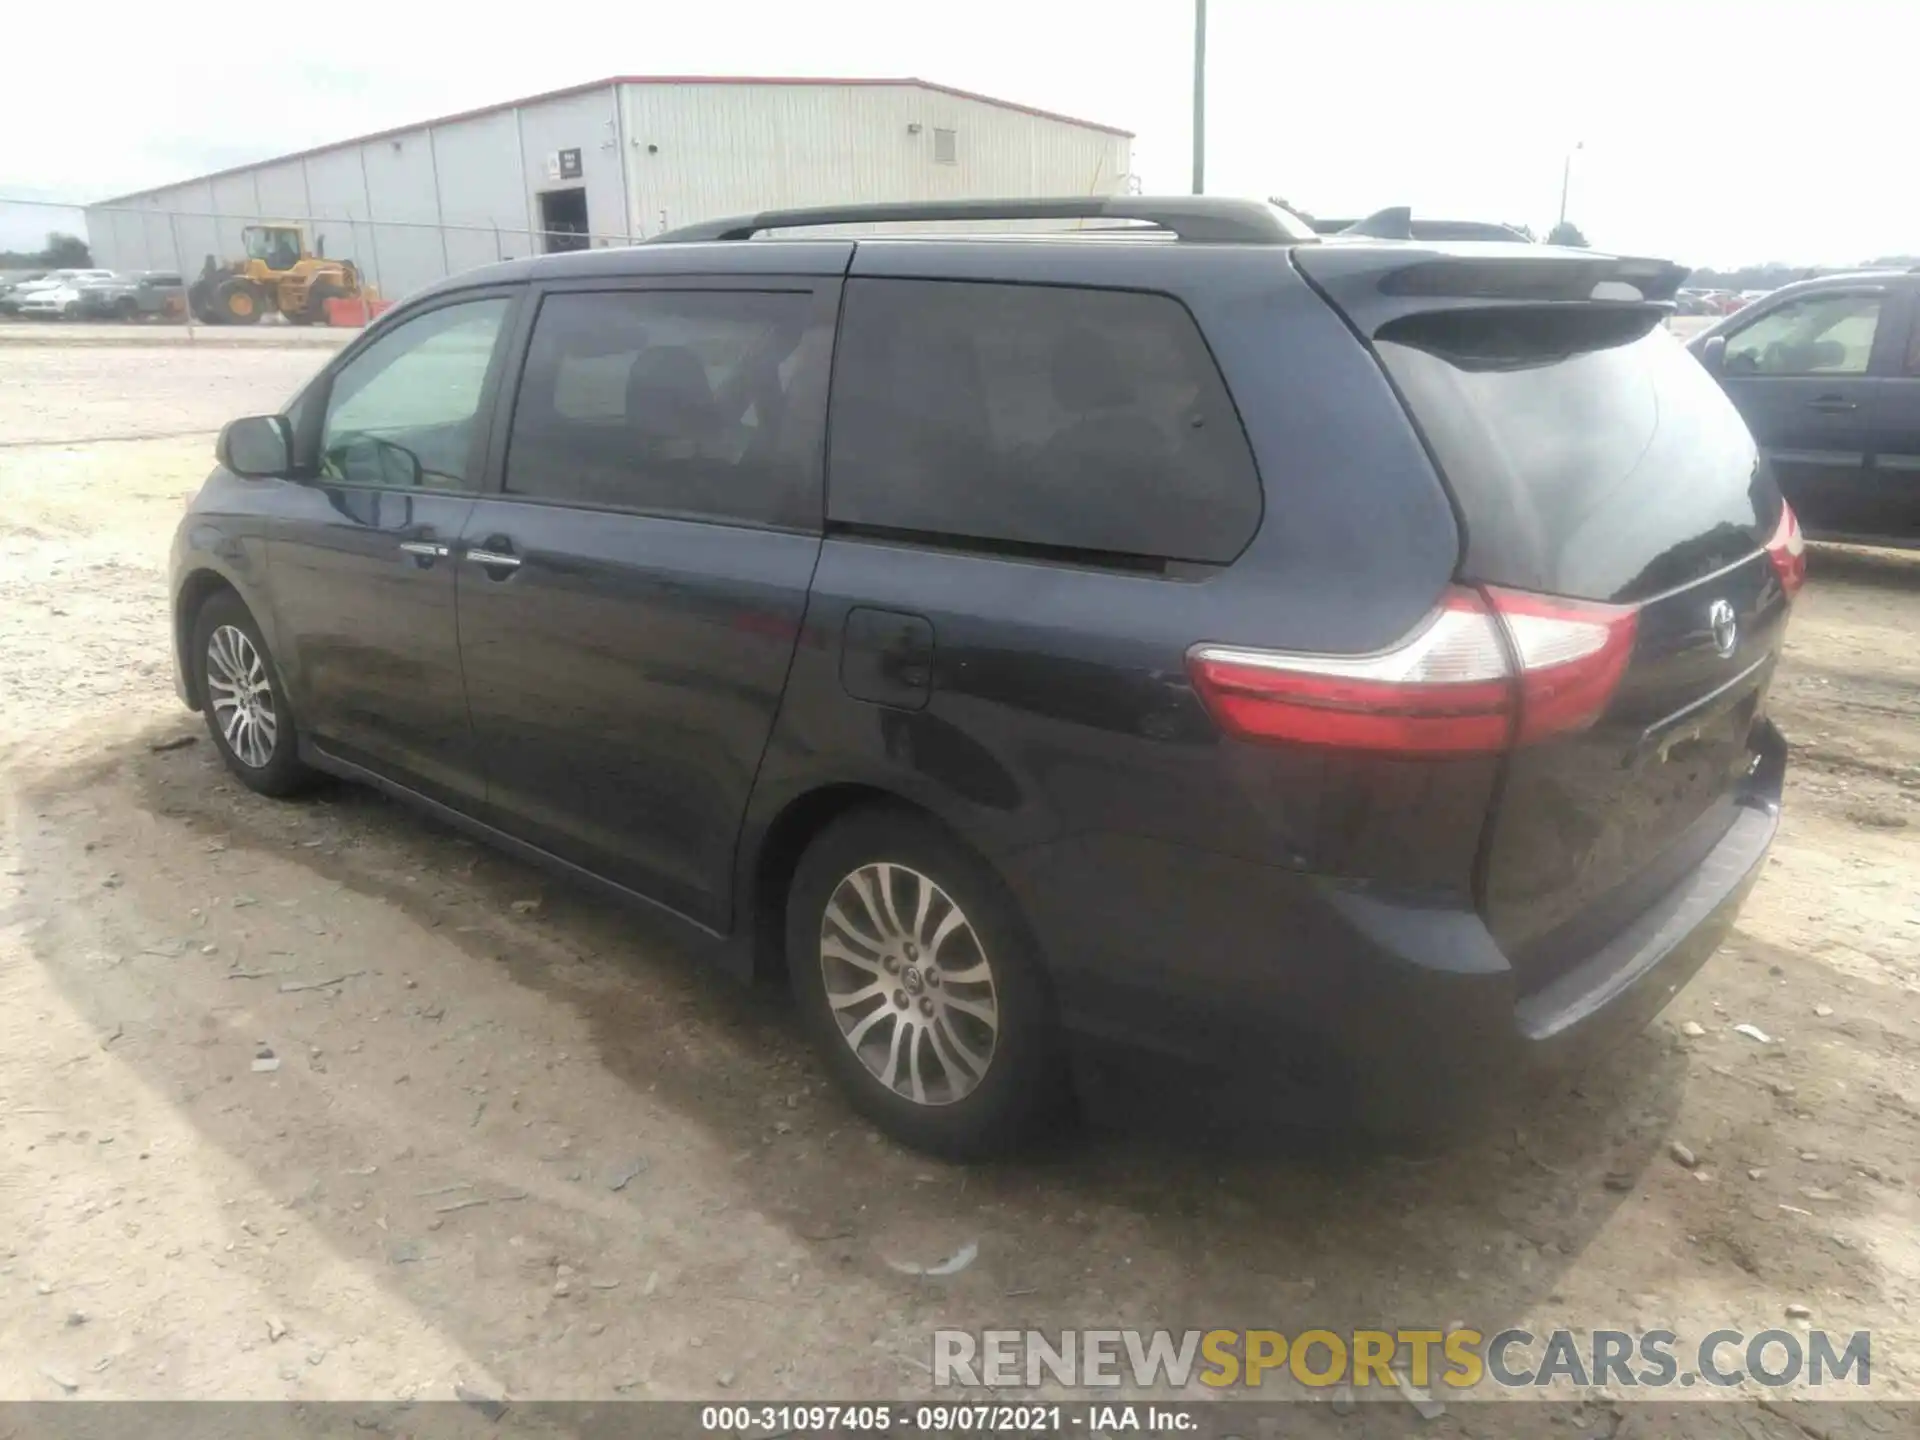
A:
(1714, 133)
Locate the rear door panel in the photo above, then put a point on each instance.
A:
(625, 668)
(1812, 431)
(623, 681)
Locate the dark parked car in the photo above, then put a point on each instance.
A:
(1826, 373)
(138, 296)
(1035, 643)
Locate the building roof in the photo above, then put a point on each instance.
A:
(608, 83)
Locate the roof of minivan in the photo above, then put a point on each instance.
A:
(828, 255)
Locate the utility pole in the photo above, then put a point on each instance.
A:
(1566, 177)
(1199, 97)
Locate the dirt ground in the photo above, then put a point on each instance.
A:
(517, 1142)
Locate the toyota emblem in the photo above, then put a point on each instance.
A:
(1726, 629)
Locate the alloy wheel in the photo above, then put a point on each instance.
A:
(909, 983)
(241, 696)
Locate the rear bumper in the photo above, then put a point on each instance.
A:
(1398, 1014)
(1423, 1080)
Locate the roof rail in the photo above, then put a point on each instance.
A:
(1198, 218)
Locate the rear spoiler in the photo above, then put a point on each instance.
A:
(1376, 285)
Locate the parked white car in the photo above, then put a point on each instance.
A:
(55, 294)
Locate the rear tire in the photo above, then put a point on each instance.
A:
(244, 700)
(200, 302)
(318, 294)
(920, 986)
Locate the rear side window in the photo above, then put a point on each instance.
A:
(673, 402)
(1591, 456)
(1057, 418)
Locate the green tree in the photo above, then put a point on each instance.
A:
(63, 252)
(66, 252)
(1566, 233)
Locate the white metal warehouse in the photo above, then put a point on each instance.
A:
(610, 162)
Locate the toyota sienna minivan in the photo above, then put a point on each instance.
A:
(1340, 658)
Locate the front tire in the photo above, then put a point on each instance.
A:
(245, 702)
(915, 975)
(238, 302)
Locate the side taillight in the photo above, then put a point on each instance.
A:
(1788, 552)
(1449, 688)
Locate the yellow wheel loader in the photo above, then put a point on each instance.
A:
(278, 273)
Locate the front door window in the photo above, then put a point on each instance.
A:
(405, 412)
(1815, 335)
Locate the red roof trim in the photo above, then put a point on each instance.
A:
(606, 84)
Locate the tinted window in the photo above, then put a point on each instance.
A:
(1089, 420)
(405, 410)
(1814, 335)
(682, 402)
(1591, 455)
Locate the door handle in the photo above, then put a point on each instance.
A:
(425, 552)
(491, 560)
(1831, 405)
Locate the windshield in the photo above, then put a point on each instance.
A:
(278, 247)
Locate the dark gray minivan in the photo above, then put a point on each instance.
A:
(1341, 659)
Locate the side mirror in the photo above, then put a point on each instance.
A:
(1713, 354)
(369, 460)
(399, 466)
(260, 447)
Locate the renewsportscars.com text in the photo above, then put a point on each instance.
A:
(1458, 1359)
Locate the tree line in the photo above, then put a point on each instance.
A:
(1773, 275)
(61, 252)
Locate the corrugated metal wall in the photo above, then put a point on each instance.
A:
(691, 152)
(701, 151)
(482, 187)
(586, 123)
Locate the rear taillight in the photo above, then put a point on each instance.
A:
(1788, 552)
(1449, 688)
(1572, 654)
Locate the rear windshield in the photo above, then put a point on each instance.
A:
(1590, 454)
